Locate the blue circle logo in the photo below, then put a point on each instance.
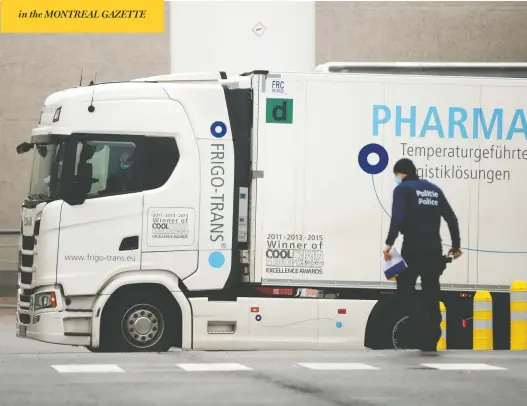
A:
(339, 324)
(216, 259)
(258, 317)
(218, 129)
(380, 166)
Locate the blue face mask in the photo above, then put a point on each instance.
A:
(398, 180)
(123, 166)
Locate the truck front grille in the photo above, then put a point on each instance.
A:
(26, 278)
(28, 243)
(26, 272)
(24, 318)
(24, 296)
(26, 261)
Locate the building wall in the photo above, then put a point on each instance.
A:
(421, 31)
(33, 66)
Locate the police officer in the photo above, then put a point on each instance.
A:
(417, 208)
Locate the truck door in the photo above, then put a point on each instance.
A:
(171, 198)
(101, 236)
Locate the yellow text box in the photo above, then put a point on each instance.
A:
(82, 16)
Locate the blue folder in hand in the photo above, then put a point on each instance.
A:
(394, 266)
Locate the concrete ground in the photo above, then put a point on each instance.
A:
(33, 373)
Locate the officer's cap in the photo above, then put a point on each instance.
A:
(405, 166)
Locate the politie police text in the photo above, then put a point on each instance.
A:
(427, 197)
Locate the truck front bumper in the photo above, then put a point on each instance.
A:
(56, 327)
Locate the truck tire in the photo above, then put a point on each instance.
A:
(395, 325)
(138, 321)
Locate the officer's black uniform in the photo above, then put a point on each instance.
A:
(418, 206)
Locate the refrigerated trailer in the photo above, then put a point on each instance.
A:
(204, 212)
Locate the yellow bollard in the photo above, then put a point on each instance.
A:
(482, 338)
(441, 345)
(518, 294)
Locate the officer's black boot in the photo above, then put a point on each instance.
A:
(429, 338)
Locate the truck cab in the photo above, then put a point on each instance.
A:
(131, 182)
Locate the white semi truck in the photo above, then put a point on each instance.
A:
(204, 212)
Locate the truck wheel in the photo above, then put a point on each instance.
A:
(402, 336)
(395, 325)
(138, 322)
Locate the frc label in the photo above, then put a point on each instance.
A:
(277, 87)
(294, 254)
(169, 226)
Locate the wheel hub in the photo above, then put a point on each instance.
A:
(142, 325)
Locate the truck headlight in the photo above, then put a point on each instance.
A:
(45, 300)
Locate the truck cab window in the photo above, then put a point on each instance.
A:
(112, 166)
(46, 171)
(117, 167)
(161, 155)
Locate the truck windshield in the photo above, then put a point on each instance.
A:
(46, 171)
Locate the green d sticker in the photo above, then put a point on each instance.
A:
(279, 111)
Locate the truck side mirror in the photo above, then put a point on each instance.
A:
(81, 186)
(73, 200)
(24, 147)
(84, 178)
